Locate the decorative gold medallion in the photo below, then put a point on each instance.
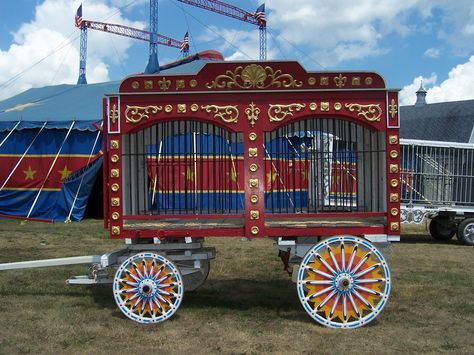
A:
(114, 158)
(115, 201)
(356, 81)
(253, 167)
(313, 106)
(114, 144)
(253, 182)
(168, 108)
(254, 199)
(394, 182)
(115, 187)
(324, 106)
(193, 83)
(393, 108)
(194, 108)
(181, 108)
(394, 226)
(148, 84)
(254, 214)
(394, 168)
(393, 197)
(393, 139)
(337, 106)
(114, 173)
(393, 154)
(115, 230)
(135, 85)
(254, 230)
(180, 84)
(394, 212)
(253, 152)
(312, 80)
(324, 81)
(369, 80)
(277, 113)
(252, 136)
(115, 216)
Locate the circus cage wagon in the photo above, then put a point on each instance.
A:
(250, 150)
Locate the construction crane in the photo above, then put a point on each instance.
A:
(255, 18)
(125, 31)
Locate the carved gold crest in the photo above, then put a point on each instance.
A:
(254, 76)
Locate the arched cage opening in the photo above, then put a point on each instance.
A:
(320, 165)
(182, 167)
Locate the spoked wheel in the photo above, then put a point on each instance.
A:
(148, 288)
(466, 231)
(343, 282)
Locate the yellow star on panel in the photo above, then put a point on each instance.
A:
(30, 173)
(64, 173)
(189, 174)
(233, 175)
(271, 176)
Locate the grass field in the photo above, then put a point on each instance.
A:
(248, 304)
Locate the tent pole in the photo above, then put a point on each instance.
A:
(68, 219)
(19, 161)
(50, 169)
(10, 133)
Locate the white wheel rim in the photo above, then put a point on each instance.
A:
(343, 282)
(469, 232)
(148, 288)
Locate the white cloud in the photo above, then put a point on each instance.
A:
(458, 86)
(432, 53)
(46, 50)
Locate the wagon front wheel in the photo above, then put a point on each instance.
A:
(343, 282)
(466, 231)
(148, 288)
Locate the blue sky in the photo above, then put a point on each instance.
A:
(405, 41)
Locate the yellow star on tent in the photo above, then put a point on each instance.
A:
(30, 173)
(64, 173)
(189, 174)
(271, 176)
(233, 175)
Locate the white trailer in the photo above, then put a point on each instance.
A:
(437, 183)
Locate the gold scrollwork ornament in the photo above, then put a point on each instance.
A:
(228, 114)
(252, 113)
(277, 113)
(371, 112)
(135, 114)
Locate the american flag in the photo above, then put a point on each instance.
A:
(78, 17)
(185, 43)
(259, 15)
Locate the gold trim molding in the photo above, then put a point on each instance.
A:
(371, 112)
(277, 113)
(134, 114)
(228, 114)
(254, 76)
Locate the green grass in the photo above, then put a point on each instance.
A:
(248, 304)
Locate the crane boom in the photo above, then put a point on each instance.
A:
(224, 9)
(132, 33)
(255, 18)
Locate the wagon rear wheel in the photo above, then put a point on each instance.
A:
(441, 229)
(343, 282)
(148, 288)
(466, 231)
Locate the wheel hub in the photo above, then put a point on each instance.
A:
(344, 282)
(147, 288)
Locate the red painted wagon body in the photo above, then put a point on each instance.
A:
(256, 149)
